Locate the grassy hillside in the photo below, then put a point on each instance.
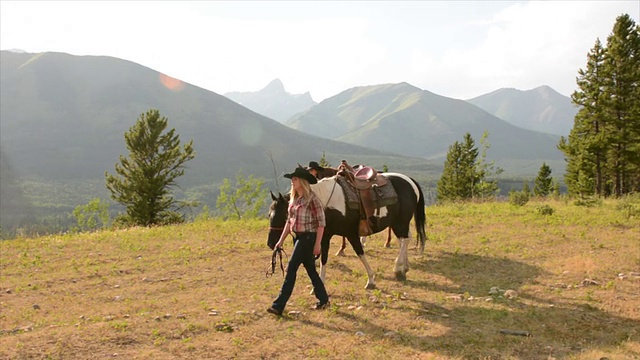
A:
(199, 291)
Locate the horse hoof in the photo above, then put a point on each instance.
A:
(387, 245)
(370, 286)
(401, 276)
(340, 253)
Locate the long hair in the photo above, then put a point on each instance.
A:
(306, 189)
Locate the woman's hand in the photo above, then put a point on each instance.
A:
(319, 235)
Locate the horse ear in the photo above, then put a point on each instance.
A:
(273, 197)
(280, 196)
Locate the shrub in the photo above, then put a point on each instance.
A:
(545, 210)
(589, 201)
(630, 205)
(518, 198)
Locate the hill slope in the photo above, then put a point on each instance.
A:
(541, 109)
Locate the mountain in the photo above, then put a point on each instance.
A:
(404, 119)
(273, 101)
(541, 109)
(63, 119)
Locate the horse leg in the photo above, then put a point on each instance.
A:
(363, 240)
(371, 282)
(387, 244)
(341, 250)
(402, 261)
(324, 257)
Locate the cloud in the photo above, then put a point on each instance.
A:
(524, 46)
(459, 49)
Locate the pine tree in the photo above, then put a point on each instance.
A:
(145, 178)
(323, 161)
(544, 181)
(622, 64)
(586, 145)
(460, 177)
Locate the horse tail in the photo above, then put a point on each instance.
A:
(420, 217)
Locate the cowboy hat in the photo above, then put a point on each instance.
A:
(302, 173)
(314, 165)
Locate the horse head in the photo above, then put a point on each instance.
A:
(277, 217)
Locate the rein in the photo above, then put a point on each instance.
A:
(277, 253)
(332, 190)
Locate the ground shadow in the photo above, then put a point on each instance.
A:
(562, 327)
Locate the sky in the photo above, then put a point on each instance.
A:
(458, 49)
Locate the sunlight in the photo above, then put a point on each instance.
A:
(171, 83)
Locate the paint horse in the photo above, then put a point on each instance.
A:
(328, 171)
(343, 220)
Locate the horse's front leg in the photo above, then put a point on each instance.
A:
(402, 261)
(356, 243)
(371, 277)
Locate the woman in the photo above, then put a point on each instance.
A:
(306, 221)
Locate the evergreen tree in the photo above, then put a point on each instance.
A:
(585, 148)
(452, 182)
(144, 179)
(323, 161)
(462, 177)
(544, 181)
(622, 94)
(603, 149)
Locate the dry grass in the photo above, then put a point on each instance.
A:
(200, 291)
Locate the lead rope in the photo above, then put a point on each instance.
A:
(277, 253)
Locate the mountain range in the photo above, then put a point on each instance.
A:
(406, 120)
(63, 119)
(273, 101)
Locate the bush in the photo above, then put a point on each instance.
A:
(545, 210)
(630, 205)
(518, 198)
(591, 201)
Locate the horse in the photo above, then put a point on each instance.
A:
(344, 221)
(329, 171)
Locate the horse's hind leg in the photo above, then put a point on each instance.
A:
(341, 250)
(387, 243)
(402, 261)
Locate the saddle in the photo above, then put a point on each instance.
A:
(366, 191)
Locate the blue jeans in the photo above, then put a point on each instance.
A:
(302, 254)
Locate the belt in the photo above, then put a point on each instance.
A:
(304, 233)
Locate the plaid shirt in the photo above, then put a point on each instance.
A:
(306, 216)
